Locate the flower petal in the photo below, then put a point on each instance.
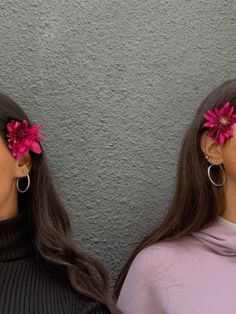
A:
(233, 120)
(41, 137)
(231, 111)
(208, 117)
(22, 137)
(35, 147)
(212, 113)
(25, 124)
(222, 138)
(228, 133)
(209, 124)
(34, 129)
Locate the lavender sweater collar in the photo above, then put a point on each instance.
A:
(219, 237)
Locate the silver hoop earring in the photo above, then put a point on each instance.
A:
(210, 178)
(27, 187)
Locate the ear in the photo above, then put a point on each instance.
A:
(210, 148)
(23, 166)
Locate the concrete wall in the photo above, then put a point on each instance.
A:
(114, 84)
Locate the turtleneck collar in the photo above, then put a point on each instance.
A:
(16, 238)
(219, 237)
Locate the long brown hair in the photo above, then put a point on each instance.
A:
(53, 232)
(196, 202)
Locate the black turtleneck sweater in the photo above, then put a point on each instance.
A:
(29, 284)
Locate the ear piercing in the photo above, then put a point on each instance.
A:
(208, 158)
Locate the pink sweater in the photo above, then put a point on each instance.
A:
(192, 275)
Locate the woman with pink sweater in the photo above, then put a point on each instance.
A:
(187, 265)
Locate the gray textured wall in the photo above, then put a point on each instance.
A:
(114, 84)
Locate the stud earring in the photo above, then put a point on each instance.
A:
(208, 158)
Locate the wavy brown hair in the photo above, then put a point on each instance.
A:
(53, 232)
(196, 202)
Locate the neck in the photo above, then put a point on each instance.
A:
(230, 197)
(9, 208)
(17, 238)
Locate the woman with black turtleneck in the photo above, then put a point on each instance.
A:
(42, 270)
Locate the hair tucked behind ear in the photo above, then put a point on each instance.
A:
(196, 202)
(53, 233)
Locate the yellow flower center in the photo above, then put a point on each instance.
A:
(224, 121)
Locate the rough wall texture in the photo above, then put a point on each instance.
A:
(114, 84)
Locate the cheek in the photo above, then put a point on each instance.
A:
(230, 169)
(7, 180)
(229, 158)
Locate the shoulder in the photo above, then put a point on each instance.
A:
(159, 260)
(152, 269)
(161, 255)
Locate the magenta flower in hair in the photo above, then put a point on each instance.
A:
(220, 122)
(22, 137)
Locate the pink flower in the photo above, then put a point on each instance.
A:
(220, 122)
(22, 137)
